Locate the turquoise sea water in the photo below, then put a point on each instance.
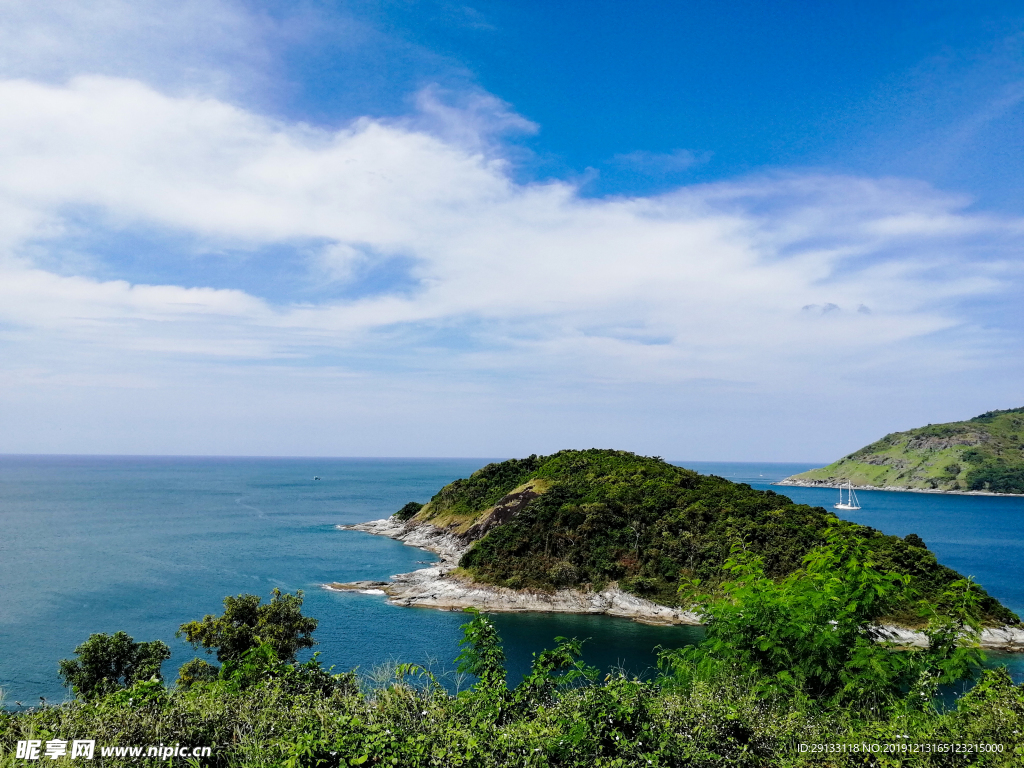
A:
(143, 544)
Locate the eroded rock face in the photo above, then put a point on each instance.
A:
(935, 443)
(1004, 638)
(507, 507)
(880, 461)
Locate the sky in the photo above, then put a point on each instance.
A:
(706, 231)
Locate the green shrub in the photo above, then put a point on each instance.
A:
(246, 625)
(107, 663)
(408, 511)
(813, 633)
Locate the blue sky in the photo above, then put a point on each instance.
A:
(865, 88)
(700, 230)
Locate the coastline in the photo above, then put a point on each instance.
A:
(439, 588)
(826, 484)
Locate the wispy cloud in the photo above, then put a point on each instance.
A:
(211, 45)
(718, 272)
(458, 309)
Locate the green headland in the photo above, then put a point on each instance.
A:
(982, 455)
(587, 519)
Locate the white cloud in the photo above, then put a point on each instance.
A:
(212, 45)
(526, 282)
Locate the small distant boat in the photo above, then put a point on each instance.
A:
(851, 498)
(316, 477)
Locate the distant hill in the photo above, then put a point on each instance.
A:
(985, 453)
(584, 519)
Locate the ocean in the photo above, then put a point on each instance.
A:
(144, 544)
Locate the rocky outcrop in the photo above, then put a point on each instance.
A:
(437, 587)
(507, 507)
(1003, 638)
(935, 443)
(449, 546)
(1009, 639)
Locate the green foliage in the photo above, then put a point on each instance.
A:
(814, 633)
(196, 671)
(810, 631)
(107, 663)
(482, 654)
(996, 476)
(484, 487)
(408, 511)
(953, 629)
(989, 416)
(144, 693)
(490, 698)
(261, 665)
(268, 713)
(914, 540)
(247, 624)
(552, 669)
(615, 517)
(563, 574)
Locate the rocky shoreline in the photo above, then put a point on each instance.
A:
(828, 484)
(439, 588)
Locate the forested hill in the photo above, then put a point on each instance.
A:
(985, 453)
(585, 519)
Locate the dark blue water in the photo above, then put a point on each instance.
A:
(100, 544)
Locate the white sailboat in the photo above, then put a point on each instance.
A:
(851, 498)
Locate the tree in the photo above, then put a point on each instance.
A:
(814, 630)
(196, 671)
(482, 654)
(810, 630)
(246, 624)
(408, 511)
(107, 663)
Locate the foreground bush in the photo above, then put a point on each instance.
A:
(275, 714)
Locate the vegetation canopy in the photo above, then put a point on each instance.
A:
(815, 632)
(587, 519)
(108, 663)
(247, 624)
